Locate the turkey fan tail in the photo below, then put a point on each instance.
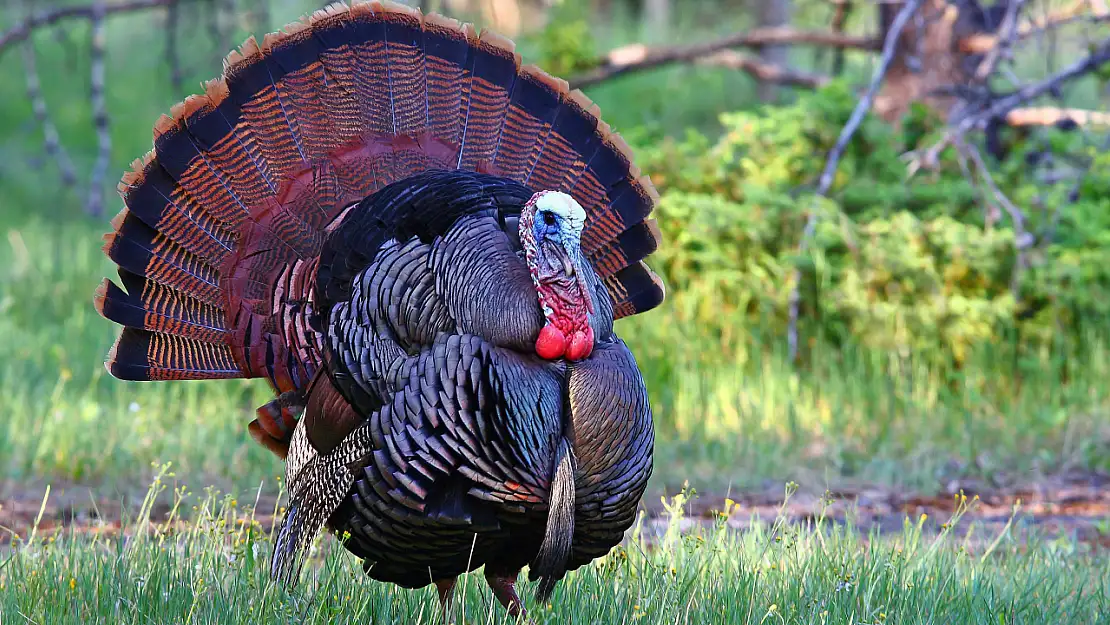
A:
(225, 218)
(550, 564)
(552, 138)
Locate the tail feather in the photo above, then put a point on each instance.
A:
(149, 195)
(408, 88)
(246, 178)
(635, 288)
(144, 355)
(632, 245)
(534, 103)
(446, 51)
(151, 306)
(142, 250)
(492, 66)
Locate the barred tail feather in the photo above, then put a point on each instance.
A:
(145, 355)
(150, 306)
(245, 180)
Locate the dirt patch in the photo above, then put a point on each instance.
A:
(1075, 505)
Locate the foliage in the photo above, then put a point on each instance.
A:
(214, 569)
(918, 264)
(723, 418)
(565, 46)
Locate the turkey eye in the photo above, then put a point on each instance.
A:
(549, 219)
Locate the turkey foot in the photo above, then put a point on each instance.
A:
(446, 590)
(504, 588)
(276, 420)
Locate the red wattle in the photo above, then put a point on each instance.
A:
(551, 343)
(581, 344)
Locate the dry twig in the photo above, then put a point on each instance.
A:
(1054, 115)
(764, 72)
(1007, 34)
(1022, 239)
(638, 57)
(1000, 108)
(983, 43)
(23, 30)
(890, 45)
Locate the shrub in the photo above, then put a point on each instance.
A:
(921, 263)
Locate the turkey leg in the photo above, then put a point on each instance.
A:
(446, 590)
(504, 588)
(276, 419)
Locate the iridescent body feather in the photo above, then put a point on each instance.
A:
(349, 213)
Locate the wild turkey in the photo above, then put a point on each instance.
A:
(422, 245)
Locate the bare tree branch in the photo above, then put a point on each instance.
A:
(22, 30)
(1099, 55)
(1051, 116)
(1000, 108)
(95, 204)
(1022, 239)
(1007, 34)
(638, 57)
(51, 141)
(764, 72)
(983, 43)
(890, 45)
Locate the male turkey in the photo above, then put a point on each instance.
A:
(422, 246)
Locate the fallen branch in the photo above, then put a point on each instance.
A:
(1001, 107)
(824, 183)
(638, 57)
(23, 30)
(764, 72)
(984, 43)
(1051, 116)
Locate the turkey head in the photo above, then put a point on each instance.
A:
(551, 234)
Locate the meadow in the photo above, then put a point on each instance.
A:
(729, 422)
(214, 570)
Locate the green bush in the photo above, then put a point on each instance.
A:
(917, 264)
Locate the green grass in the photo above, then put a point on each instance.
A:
(730, 412)
(215, 570)
(852, 415)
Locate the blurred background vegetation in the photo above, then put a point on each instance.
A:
(946, 340)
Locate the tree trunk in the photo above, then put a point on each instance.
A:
(657, 16)
(928, 57)
(773, 13)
